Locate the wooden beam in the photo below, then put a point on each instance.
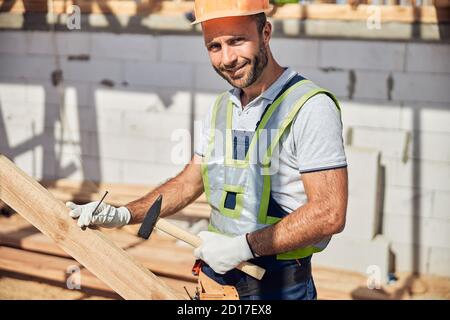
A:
(56, 269)
(117, 7)
(45, 267)
(152, 253)
(119, 195)
(387, 13)
(437, 13)
(89, 247)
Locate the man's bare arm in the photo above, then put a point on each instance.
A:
(322, 216)
(177, 193)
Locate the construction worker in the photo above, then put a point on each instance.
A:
(271, 162)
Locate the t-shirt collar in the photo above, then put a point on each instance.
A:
(270, 94)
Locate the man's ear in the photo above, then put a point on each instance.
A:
(267, 33)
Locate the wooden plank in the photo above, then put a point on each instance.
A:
(388, 13)
(441, 3)
(117, 7)
(317, 11)
(89, 247)
(56, 269)
(45, 266)
(176, 265)
(96, 187)
(90, 187)
(195, 210)
(151, 253)
(119, 195)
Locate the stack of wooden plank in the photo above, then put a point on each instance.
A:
(24, 250)
(118, 195)
(438, 12)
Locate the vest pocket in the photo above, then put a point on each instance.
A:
(232, 201)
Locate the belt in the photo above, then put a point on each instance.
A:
(279, 274)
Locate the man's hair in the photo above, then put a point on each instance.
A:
(261, 21)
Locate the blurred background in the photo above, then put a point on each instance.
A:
(107, 94)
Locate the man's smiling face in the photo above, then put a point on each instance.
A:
(236, 49)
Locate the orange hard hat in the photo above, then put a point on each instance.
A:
(213, 9)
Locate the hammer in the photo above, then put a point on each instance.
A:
(152, 220)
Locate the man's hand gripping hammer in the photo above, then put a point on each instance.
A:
(152, 220)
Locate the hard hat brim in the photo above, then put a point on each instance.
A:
(231, 13)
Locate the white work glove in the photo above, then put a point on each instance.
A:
(105, 216)
(222, 253)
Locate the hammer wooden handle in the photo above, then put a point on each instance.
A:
(247, 267)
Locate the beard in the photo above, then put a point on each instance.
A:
(257, 65)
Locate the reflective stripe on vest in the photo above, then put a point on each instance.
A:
(247, 182)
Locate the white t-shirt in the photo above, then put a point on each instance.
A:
(314, 142)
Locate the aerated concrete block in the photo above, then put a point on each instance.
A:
(363, 214)
(357, 255)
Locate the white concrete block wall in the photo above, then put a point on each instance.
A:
(423, 87)
(208, 80)
(13, 42)
(430, 146)
(432, 117)
(336, 81)
(441, 204)
(362, 55)
(156, 125)
(16, 136)
(426, 57)
(392, 143)
(30, 67)
(378, 85)
(15, 92)
(409, 201)
(40, 42)
(438, 261)
(141, 172)
(371, 115)
(19, 112)
(361, 257)
(172, 75)
(74, 43)
(42, 92)
(185, 49)
(62, 44)
(363, 209)
(432, 175)
(433, 232)
(132, 47)
(118, 146)
(94, 70)
(394, 98)
(203, 102)
(134, 99)
(296, 53)
(31, 162)
(408, 256)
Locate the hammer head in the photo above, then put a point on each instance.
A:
(150, 219)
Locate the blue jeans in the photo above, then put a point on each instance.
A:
(305, 290)
(284, 280)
